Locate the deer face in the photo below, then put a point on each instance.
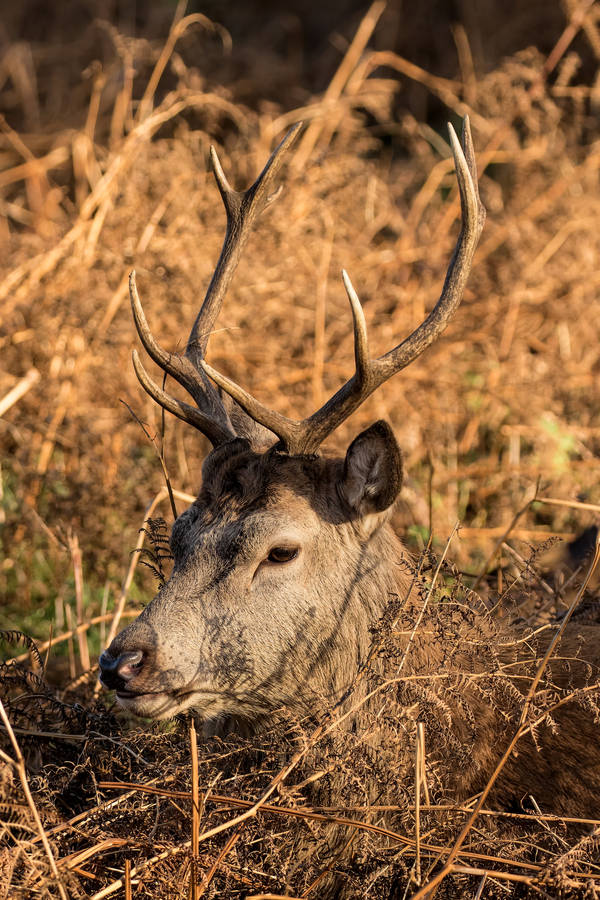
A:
(273, 567)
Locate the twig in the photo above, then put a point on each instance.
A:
(503, 537)
(66, 635)
(159, 449)
(75, 859)
(443, 88)
(569, 33)
(70, 647)
(195, 811)
(272, 897)
(116, 885)
(311, 815)
(527, 567)
(35, 167)
(571, 504)
(338, 82)
(178, 28)
(19, 390)
(84, 654)
(127, 879)
(425, 603)
(492, 873)
(480, 887)
(206, 879)
(418, 764)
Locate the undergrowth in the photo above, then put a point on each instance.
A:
(117, 177)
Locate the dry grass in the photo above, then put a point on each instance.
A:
(503, 409)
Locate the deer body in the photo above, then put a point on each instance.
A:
(286, 560)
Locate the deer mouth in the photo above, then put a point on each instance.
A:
(128, 694)
(148, 704)
(166, 704)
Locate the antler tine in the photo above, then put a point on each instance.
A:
(361, 340)
(242, 209)
(469, 154)
(173, 364)
(307, 435)
(210, 405)
(287, 430)
(208, 425)
(473, 218)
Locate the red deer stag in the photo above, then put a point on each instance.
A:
(286, 559)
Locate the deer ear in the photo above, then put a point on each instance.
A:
(372, 470)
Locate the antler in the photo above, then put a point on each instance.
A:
(242, 209)
(305, 437)
(300, 437)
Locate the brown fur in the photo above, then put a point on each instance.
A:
(240, 639)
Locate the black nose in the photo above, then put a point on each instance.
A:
(116, 672)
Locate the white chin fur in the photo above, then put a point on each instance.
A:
(152, 706)
(165, 706)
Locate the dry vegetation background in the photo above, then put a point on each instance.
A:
(107, 114)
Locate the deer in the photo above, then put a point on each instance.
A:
(287, 558)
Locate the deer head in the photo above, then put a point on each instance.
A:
(285, 558)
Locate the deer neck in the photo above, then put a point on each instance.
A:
(382, 573)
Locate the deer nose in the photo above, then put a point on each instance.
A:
(116, 672)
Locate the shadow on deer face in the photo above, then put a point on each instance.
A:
(273, 566)
(282, 563)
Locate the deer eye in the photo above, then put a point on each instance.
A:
(282, 554)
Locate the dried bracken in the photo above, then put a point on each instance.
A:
(345, 800)
(119, 178)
